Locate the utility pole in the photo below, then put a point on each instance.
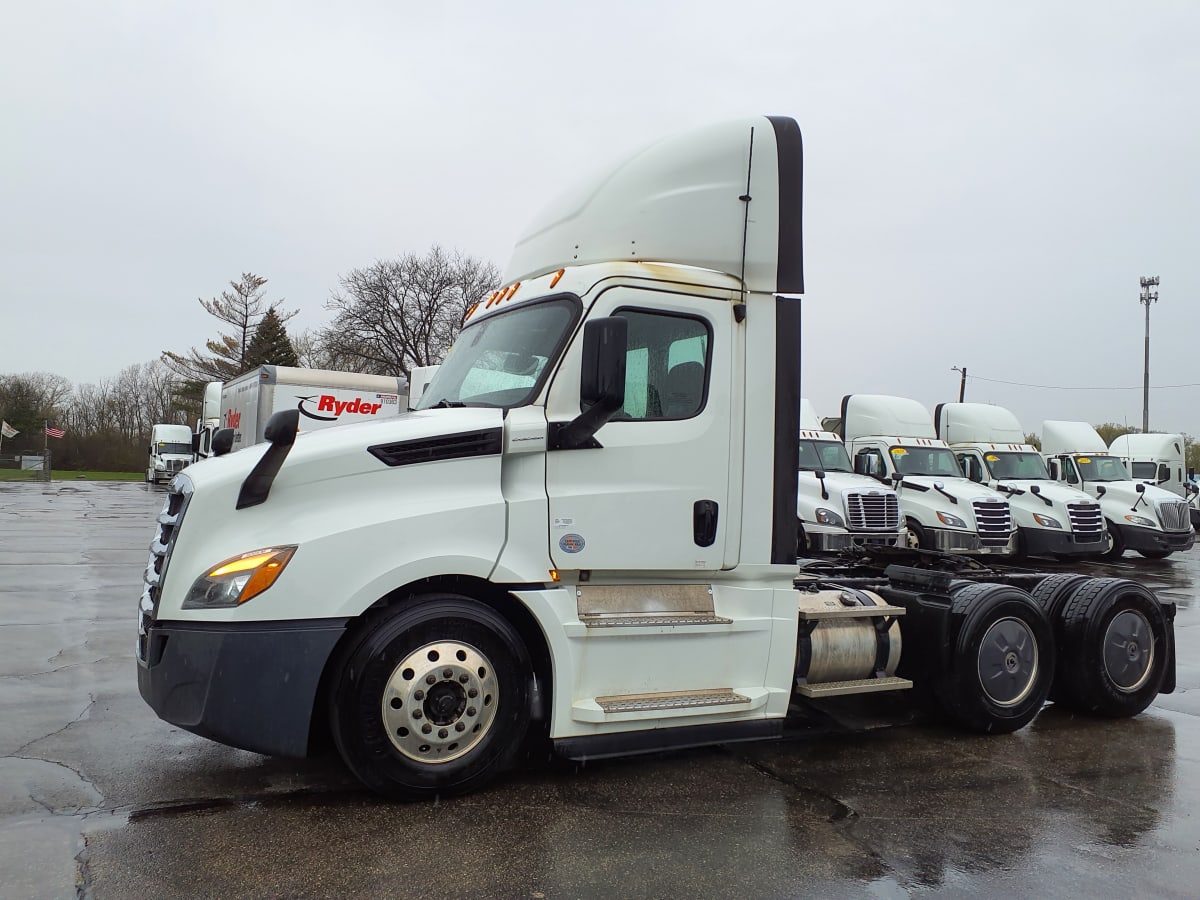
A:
(1146, 298)
(962, 384)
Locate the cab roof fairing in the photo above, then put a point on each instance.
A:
(977, 423)
(727, 198)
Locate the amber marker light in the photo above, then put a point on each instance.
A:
(557, 276)
(554, 575)
(236, 580)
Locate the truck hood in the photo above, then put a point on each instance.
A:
(962, 488)
(1124, 493)
(837, 483)
(338, 452)
(1059, 494)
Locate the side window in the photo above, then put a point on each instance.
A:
(666, 366)
(1069, 471)
(1164, 472)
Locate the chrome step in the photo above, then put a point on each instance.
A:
(672, 700)
(850, 612)
(857, 686)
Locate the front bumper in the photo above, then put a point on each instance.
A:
(1048, 542)
(969, 542)
(832, 542)
(1137, 538)
(250, 685)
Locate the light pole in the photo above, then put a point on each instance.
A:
(1146, 298)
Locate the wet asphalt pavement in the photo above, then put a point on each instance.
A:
(100, 798)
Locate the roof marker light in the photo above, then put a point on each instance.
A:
(557, 276)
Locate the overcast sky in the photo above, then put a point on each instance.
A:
(985, 183)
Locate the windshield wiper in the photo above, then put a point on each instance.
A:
(447, 404)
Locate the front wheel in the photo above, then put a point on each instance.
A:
(1116, 544)
(431, 698)
(918, 537)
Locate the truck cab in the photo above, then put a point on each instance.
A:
(893, 440)
(836, 508)
(170, 452)
(1052, 519)
(1140, 517)
(209, 421)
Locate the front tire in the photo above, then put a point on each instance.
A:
(1116, 544)
(918, 537)
(431, 698)
(1003, 660)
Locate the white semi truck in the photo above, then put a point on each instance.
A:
(837, 509)
(170, 452)
(1159, 459)
(1052, 519)
(323, 398)
(893, 438)
(586, 535)
(1140, 517)
(209, 421)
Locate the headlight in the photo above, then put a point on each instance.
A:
(952, 521)
(829, 517)
(1046, 521)
(236, 580)
(1142, 520)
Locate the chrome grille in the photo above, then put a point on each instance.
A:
(993, 521)
(872, 510)
(176, 465)
(167, 528)
(1174, 515)
(1087, 522)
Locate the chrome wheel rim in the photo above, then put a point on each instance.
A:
(440, 702)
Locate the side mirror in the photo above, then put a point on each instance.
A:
(820, 473)
(222, 442)
(1034, 489)
(601, 384)
(195, 444)
(1140, 487)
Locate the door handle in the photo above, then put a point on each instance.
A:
(704, 522)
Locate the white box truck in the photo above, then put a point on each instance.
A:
(587, 535)
(837, 509)
(893, 439)
(323, 398)
(1052, 519)
(1140, 517)
(170, 452)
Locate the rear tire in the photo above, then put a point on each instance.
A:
(431, 698)
(1114, 649)
(1003, 660)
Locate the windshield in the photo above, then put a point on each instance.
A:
(1146, 470)
(1016, 465)
(1101, 468)
(925, 461)
(830, 456)
(500, 360)
(167, 447)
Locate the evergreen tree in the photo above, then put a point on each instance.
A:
(270, 344)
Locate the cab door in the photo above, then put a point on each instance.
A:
(653, 494)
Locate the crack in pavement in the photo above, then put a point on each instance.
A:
(58, 669)
(83, 712)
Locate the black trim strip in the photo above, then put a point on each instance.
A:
(486, 442)
(654, 740)
(789, 144)
(787, 431)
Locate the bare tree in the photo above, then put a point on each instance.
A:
(405, 312)
(242, 307)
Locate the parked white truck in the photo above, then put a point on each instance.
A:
(1139, 517)
(1159, 459)
(893, 438)
(837, 509)
(1052, 519)
(323, 398)
(170, 452)
(209, 421)
(586, 535)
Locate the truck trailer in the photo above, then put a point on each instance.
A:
(322, 397)
(586, 536)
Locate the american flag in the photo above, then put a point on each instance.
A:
(53, 432)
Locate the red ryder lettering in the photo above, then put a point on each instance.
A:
(329, 403)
